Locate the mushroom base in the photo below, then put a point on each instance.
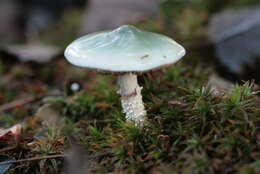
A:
(131, 98)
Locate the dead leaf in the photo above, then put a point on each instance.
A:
(13, 133)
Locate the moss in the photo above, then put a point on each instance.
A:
(203, 134)
(188, 130)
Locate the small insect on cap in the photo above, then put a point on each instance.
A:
(125, 49)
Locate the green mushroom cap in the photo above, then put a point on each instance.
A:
(125, 49)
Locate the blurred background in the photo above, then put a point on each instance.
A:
(222, 36)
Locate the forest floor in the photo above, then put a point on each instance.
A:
(189, 129)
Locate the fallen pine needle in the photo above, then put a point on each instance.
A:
(22, 102)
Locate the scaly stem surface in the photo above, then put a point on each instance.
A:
(131, 98)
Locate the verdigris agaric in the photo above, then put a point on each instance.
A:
(126, 52)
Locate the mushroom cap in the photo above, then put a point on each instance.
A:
(125, 49)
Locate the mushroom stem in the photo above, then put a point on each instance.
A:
(131, 98)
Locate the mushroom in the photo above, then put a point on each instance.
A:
(125, 51)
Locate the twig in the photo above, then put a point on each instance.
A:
(50, 157)
(7, 149)
(22, 102)
(32, 159)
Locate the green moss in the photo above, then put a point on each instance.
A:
(188, 129)
(186, 137)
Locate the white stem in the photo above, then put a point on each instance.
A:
(131, 98)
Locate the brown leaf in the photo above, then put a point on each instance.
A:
(13, 133)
